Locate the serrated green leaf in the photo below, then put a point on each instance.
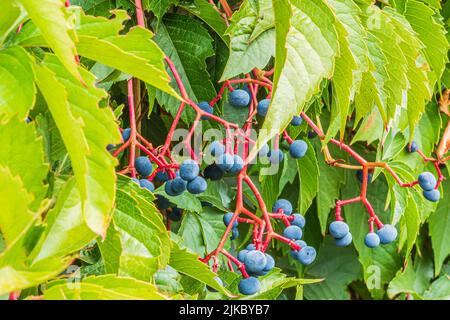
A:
(17, 89)
(158, 7)
(308, 171)
(11, 15)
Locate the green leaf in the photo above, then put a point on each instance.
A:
(188, 264)
(11, 15)
(205, 11)
(57, 27)
(16, 218)
(17, 89)
(106, 287)
(439, 224)
(308, 171)
(158, 7)
(251, 38)
(439, 289)
(23, 156)
(86, 130)
(431, 32)
(306, 47)
(66, 230)
(187, 43)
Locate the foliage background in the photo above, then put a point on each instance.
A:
(359, 65)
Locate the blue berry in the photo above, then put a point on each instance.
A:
(372, 240)
(299, 220)
(344, 241)
(241, 255)
(213, 172)
(239, 98)
(251, 247)
(234, 233)
(198, 185)
(225, 161)
(270, 263)
(255, 261)
(162, 203)
(263, 107)
(301, 244)
(359, 173)
(178, 185)
(109, 147)
(387, 234)
(296, 120)
(427, 181)
(432, 195)
(227, 218)
(237, 165)
(144, 183)
(312, 134)
(28, 120)
(298, 149)
(276, 156)
(293, 232)
(162, 176)
(249, 286)
(175, 214)
(126, 134)
(169, 190)
(246, 88)
(413, 147)
(143, 166)
(339, 229)
(216, 148)
(135, 180)
(218, 281)
(189, 170)
(264, 151)
(282, 204)
(306, 255)
(205, 107)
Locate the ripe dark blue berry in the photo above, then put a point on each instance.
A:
(312, 134)
(249, 286)
(205, 107)
(298, 149)
(339, 229)
(293, 232)
(282, 204)
(239, 98)
(216, 148)
(144, 183)
(135, 180)
(213, 172)
(270, 263)
(413, 147)
(241, 255)
(432, 195)
(372, 240)
(344, 241)
(126, 134)
(109, 147)
(169, 190)
(225, 161)
(237, 165)
(234, 234)
(162, 176)
(178, 185)
(227, 218)
(175, 214)
(189, 170)
(299, 220)
(276, 156)
(427, 181)
(263, 107)
(255, 261)
(196, 186)
(387, 234)
(251, 247)
(296, 120)
(306, 255)
(143, 166)
(301, 244)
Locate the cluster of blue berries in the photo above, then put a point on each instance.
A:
(257, 263)
(225, 163)
(340, 231)
(187, 179)
(125, 136)
(226, 220)
(428, 183)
